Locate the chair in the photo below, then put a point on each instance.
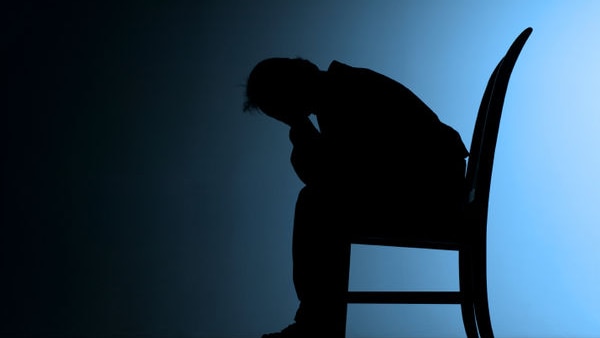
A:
(472, 294)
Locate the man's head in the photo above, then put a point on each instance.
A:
(282, 88)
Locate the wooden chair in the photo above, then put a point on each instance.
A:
(471, 247)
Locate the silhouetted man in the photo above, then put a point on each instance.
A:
(380, 162)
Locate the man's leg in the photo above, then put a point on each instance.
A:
(321, 256)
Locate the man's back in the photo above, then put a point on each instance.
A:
(377, 126)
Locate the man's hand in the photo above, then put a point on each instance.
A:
(308, 153)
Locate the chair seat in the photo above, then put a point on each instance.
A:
(450, 241)
(436, 231)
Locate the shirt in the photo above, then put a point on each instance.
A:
(374, 132)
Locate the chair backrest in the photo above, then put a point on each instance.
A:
(485, 134)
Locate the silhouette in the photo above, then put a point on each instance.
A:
(379, 163)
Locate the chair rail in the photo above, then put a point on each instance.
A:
(405, 297)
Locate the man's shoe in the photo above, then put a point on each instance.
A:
(292, 331)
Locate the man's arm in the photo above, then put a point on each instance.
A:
(308, 153)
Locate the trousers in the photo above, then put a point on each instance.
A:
(325, 219)
(320, 255)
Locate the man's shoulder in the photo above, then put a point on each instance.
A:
(368, 78)
(336, 65)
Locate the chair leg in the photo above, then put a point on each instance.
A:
(343, 322)
(466, 286)
(468, 316)
(482, 309)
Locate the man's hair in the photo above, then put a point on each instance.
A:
(275, 78)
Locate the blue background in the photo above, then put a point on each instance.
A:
(139, 200)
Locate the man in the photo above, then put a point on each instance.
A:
(380, 163)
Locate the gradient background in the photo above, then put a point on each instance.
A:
(138, 200)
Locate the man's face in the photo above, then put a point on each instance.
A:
(287, 110)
